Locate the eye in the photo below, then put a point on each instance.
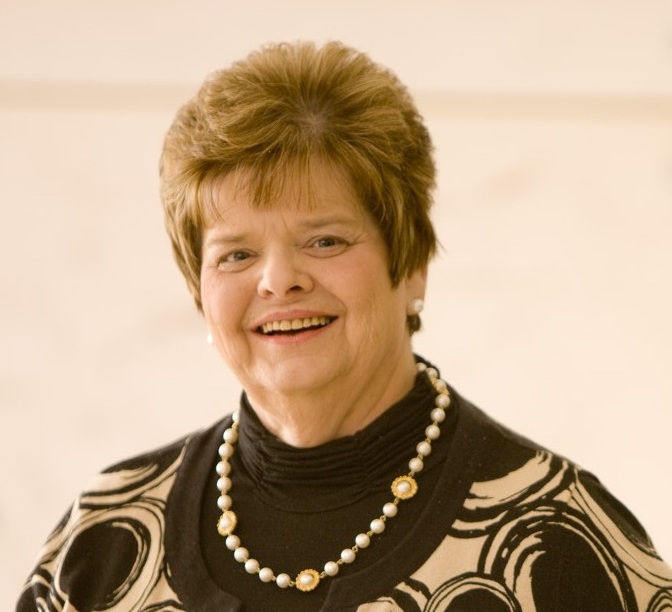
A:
(326, 246)
(326, 242)
(235, 256)
(233, 260)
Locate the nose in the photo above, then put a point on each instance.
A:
(283, 275)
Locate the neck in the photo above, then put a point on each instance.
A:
(310, 418)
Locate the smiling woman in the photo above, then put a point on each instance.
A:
(297, 186)
(271, 268)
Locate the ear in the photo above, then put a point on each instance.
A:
(416, 285)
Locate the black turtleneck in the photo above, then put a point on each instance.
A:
(298, 508)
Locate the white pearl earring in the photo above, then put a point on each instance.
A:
(208, 339)
(417, 305)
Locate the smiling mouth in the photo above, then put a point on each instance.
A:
(293, 326)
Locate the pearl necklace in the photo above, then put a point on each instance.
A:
(403, 487)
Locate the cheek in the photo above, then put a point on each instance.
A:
(208, 299)
(221, 302)
(377, 306)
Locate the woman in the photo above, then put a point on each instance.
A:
(297, 186)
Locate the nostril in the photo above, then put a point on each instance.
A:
(283, 273)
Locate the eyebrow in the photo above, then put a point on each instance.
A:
(218, 239)
(316, 223)
(310, 223)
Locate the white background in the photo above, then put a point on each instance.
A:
(549, 305)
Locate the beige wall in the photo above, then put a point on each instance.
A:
(549, 306)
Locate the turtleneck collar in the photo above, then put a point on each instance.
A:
(343, 469)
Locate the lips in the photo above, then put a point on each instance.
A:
(294, 325)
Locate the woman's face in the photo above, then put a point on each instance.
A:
(299, 298)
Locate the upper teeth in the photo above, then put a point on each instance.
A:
(292, 324)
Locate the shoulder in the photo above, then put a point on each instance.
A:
(135, 474)
(519, 471)
(109, 546)
(150, 469)
(538, 519)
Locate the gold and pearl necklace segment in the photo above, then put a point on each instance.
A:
(403, 487)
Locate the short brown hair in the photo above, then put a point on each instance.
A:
(278, 111)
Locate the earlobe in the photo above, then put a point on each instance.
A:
(417, 304)
(416, 284)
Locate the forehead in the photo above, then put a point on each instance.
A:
(322, 188)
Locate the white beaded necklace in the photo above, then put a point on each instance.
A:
(403, 487)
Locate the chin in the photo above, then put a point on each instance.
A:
(298, 374)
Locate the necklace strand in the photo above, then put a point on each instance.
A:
(403, 487)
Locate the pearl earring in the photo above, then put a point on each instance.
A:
(417, 305)
(208, 339)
